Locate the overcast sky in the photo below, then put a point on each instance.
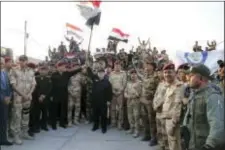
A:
(170, 25)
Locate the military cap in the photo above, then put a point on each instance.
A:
(61, 64)
(68, 66)
(117, 62)
(201, 69)
(31, 65)
(7, 59)
(133, 71)
(169, 66)
(23, 58)
(184, 67)
(43, 65)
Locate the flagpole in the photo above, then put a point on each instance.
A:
(25, 38)
(89, 44)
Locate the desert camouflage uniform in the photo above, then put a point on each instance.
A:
(150, 83)
(171, 112)
(74, 98)
(133, 93)
(160, 123)
(118, 81)
(23, 80)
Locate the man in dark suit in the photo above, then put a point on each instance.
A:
(101, 98)
(59, 93)
(43, 91)
(5, 98)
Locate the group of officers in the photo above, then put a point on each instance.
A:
(161, 101)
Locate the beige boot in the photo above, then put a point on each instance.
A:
(26, 136)
(17, 140)
(130, 131)
(136, 134)
(70, 124)
(76, 122)
(119, 126)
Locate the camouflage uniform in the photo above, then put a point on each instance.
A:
(23, 80)
(74, 98)
(133, 93)
(150, 83)
(171, 112)
(88, 97)
(205, 118)
(118, 81)
(157, 105)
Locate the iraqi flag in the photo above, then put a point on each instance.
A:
(208, 58)
(118, 35)
(74, 31)
(90, 10)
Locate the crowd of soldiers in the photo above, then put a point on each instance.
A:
(137, 92)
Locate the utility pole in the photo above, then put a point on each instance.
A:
(25, 38)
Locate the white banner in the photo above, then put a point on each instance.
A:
(208, 58)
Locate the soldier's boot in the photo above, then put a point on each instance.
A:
(130, 131)
(153, 141)
(146, 138)
(70, 124)
(136, 134)
(119, 126)
(9, 137)
(113, 125)
(17, 140)
(26, 136)
(76, 122)
(86, 122)
(160, 148)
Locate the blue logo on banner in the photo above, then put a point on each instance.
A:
(196, 57)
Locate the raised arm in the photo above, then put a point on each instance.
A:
(139, 41)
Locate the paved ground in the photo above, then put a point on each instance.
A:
(82, 138)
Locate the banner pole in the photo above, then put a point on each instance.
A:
(89, 44)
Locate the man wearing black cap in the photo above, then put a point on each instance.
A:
(60, 81)
(23, 83)
(205, 114)
(42, 97)
(182, 71)
(101, 99)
